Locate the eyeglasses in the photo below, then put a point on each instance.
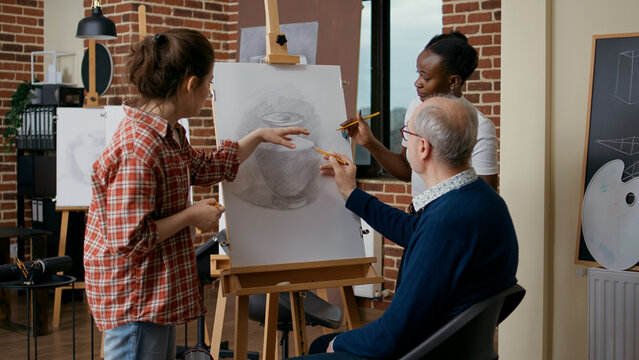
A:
(211, 91)
(405, 133)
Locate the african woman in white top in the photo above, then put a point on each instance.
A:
(443, 66)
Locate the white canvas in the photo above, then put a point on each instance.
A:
(82, 135)
(80, 140)
(280, 209)
(301, 40)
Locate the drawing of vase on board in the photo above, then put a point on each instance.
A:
(287, 172)
(277, 177)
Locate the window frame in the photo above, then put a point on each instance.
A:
(380, 81)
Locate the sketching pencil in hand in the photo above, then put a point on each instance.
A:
(329, 155)
(356, 121)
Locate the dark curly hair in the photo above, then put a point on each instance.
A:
(459, 57)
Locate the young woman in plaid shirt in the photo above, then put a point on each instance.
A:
(139, 259)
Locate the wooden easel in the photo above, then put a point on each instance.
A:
(295, 278)
(92, 94)
(298, 277)
(276, 48)
(64, 228)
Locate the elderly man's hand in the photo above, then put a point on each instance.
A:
(344, 174)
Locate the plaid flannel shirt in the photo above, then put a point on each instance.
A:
(144, 175)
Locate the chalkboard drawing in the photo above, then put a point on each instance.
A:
(610, 217)
(631, 171)
(627, 86)
(628, 146)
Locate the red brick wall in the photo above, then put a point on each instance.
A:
(481, 22)
(21, 32)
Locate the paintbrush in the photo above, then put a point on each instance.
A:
(356, 121)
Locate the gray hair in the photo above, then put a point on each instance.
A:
(452, 134)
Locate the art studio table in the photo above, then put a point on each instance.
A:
(38, 239)
(48, 282)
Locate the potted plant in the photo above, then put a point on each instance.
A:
(20, 99)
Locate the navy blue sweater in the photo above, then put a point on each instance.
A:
(461, 250)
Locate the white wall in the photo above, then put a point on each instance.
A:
(546, 53)
(524, 173)
(61, 19)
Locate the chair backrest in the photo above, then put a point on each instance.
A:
(470, 334)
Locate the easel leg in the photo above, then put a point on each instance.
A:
(218, 322)
(350, 308)
(299, 322)
(323, 293)
(241, 327)
(270, 326)
(57, 299)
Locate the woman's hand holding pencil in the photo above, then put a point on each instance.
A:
(359, 130)
(356, 120)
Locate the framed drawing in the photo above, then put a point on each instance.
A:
(609, 212)
(280, 209)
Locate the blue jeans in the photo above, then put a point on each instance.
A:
(140, 341)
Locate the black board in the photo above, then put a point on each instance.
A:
(613, 123)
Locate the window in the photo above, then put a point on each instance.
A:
(392, 35)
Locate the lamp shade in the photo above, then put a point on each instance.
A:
(96, 26)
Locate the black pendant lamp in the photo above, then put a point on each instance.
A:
(96, 26)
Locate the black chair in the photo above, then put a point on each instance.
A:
(317, 312)
(470, 334)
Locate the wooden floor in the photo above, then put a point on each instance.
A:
(58, 343)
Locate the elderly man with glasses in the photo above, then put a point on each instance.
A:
(460, 246)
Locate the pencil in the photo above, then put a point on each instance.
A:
(22, 268)
(327, 154)
(355, 122)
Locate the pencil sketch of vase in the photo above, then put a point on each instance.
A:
(288, 173)
(84, 150)
(276, 177)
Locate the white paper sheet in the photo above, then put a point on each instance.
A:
(279, 208)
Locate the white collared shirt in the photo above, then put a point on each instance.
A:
(452, 183)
